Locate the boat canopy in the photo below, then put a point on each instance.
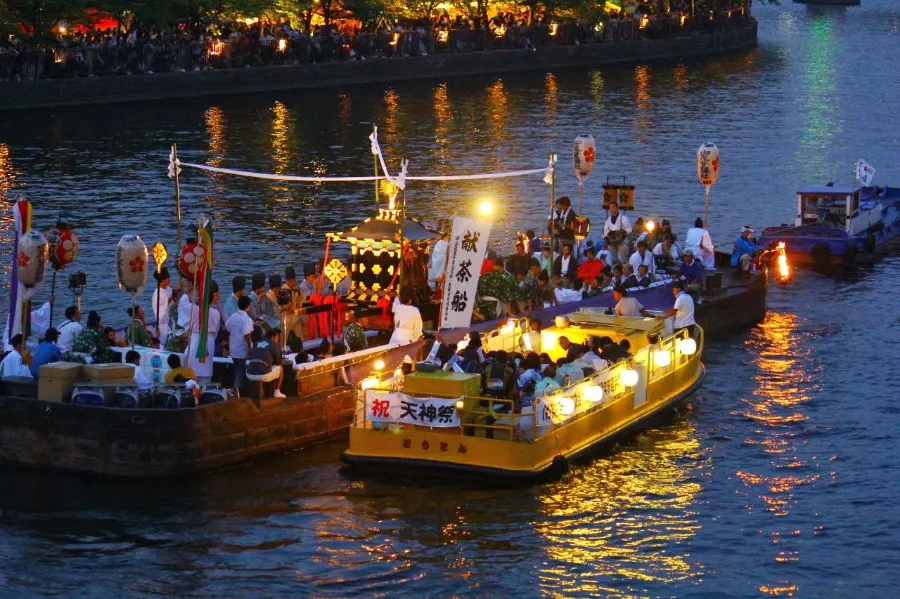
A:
(828, 190)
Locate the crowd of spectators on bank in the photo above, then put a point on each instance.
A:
(86, 53)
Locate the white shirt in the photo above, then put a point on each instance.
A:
(622, 223)
(564, 264)
(698, 240)
(674, 254)
(12, 365)
(629, 306)
(684, 311)
(142, 379)
(68, 330)
(407, 324)
(647, 261)
(184, 311)
(238, 326)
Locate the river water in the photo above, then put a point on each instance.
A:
(778, 479)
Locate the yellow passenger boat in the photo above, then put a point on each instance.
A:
(438, 423)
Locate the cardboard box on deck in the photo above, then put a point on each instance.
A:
(108, 376)
(55, 381)
(449, 384)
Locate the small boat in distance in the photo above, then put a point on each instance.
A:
(835, 223)
(443, 423)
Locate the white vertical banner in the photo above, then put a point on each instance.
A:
(468, 244)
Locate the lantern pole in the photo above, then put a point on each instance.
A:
(706, 210)
(177, 198)
(580, 211)
(375, 168)
(550, 221)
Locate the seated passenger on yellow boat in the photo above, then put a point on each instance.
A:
(547, 384)
(627, 306)
(531, 370)
(570, 348)
(594, 356)
(499, 378)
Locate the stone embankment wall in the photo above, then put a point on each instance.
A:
(141, 88)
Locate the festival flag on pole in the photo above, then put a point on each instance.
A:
(864, 172)
(22, 216)
(205, 237)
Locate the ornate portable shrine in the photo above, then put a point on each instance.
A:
(375, 250)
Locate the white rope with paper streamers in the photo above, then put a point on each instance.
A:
(400, 180)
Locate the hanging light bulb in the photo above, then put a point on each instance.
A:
(630, 377)
(687, 346)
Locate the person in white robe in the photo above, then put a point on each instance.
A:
(159, 302)
(407, 320)
(699, 241)
(615, 229)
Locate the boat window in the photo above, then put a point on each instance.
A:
(823, 210)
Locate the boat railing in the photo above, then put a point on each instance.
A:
(603, 389)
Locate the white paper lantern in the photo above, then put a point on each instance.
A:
(592, 393)
(687, 346)
(662, 358)
(131, 264)
(708, 163)
(630, 378)
(583, 156)
(565, 406)
(32, 258)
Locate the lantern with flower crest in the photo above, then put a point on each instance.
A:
(31, 261)
(131, 264)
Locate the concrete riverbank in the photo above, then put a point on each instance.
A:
(27, 95)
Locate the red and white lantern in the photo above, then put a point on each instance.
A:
(31, 260)
(131, 264)
(583, 156)
(708, 163)
(63, 244)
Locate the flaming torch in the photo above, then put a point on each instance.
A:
(781, 261)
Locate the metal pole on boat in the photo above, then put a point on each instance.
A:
(580, 211)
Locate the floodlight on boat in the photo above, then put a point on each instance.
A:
(565, 406)
(662, 358)
(509, 327)
(650, 226)
(561, 322)
(398, 372)
(630, 377)
(485, 208)
(592, 393)
(460, 404)
(369, 383)
(687, 346)
(379, 365)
